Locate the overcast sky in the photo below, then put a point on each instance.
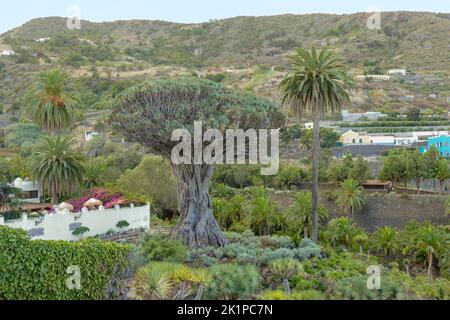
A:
(14, 13)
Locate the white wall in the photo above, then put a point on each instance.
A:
(59, 226)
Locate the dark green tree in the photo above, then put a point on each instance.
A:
(150, 112)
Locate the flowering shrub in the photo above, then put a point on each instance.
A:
(108, 198)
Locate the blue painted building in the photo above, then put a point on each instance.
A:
(442, 143)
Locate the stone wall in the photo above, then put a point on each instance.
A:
(382, 209)
(396, 210)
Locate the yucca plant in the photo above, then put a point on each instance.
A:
(201, 277)
(316, 82)
(286, 269)
(154, 282)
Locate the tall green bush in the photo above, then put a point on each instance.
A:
(40, 270)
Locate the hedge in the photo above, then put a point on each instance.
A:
(37, 269)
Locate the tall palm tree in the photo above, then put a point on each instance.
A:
(350, 197)
(49, 103)
(300, 214)
(57, 168)
(318, 83)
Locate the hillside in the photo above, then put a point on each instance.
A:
(247, 52)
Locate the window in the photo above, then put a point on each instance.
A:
(446, 144)
(30, 194)
(353, 141)
(360, 140)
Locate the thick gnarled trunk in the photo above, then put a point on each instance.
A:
(197, 226)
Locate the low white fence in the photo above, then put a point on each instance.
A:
(60, 226)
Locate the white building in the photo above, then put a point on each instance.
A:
(60, 225)
(29, 190)
(362, 138)
(42, 39)
(7, 53)
(382, 77)
(88, 135)
(352, 117)
(397, 72)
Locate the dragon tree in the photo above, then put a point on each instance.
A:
(151, 112)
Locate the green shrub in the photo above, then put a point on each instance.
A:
(36, 270)
(153, 178)
(308, 295)
(232, 282)
(355, 288)
(160, 249)
(274, 295)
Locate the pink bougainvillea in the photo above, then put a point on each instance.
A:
(108, 199)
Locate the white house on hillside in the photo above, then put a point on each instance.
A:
(30, 191)
(401, 72)
(354, 138)
(7, 53)
(88, 135)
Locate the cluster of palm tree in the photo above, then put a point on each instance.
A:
(54, 164)
(259, 211)
(425, 243)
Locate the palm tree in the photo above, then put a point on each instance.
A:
(350, 197)
(92, 174)
(431, 242)
(49, 103)
(342, 231)
(385, 239)
(300, 214)
(263, 214)
(318, 83)
(57, 168)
